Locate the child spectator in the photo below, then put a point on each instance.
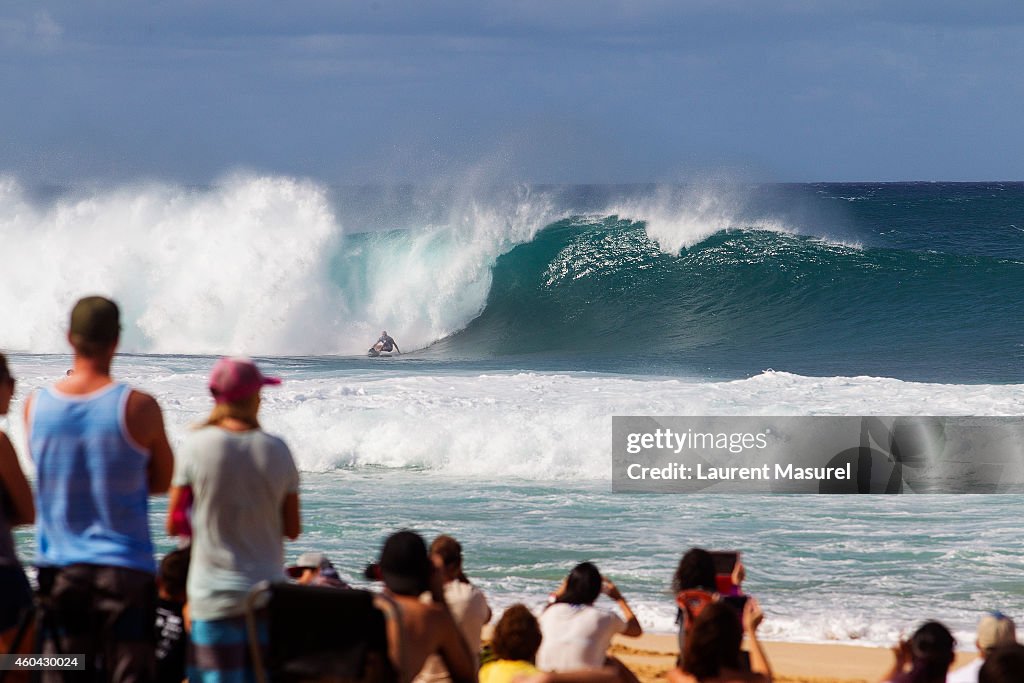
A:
(170, 623)
(515, 642)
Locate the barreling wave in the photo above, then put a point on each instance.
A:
(257, 265)
(770, 296)
(269, 265)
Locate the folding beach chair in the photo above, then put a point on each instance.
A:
(691, 602)
(322, 634)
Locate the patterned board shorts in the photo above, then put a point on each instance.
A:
(220, 650)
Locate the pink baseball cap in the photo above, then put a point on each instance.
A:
(234, 379)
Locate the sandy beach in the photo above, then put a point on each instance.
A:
(650, 656)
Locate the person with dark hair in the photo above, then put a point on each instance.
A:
(427, 627)
(515, 642)
(696, 570)
(713, 652)
(925, 658)
(696, 574)
(466, 603)
(245, 490)
(577, 634)
(100, 451)
(171, 638)
(1003, 664)
(385, 344)
(16, 509)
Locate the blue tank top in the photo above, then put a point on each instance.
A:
(92, 481)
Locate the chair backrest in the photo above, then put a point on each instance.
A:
(692, 601)
(320, 633)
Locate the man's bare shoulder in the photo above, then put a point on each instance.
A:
(140, 404)
(426, 612)
(143, 418)
(440, 618)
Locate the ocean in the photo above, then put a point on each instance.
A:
(528, 316)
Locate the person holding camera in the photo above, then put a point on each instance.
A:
(925, 657)
(713, 653)
(577, 634)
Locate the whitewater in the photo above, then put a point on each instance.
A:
(534, 314)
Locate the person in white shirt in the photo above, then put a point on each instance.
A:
(466, 602)
(577, 634)
(994, 629)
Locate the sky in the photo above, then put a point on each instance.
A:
(546, 91)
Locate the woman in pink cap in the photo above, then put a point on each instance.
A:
(245, 502)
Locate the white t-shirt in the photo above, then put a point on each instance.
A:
(239, 482)
(967, 673)
(576, 637)
(469, 608)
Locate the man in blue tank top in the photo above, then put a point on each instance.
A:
(100, 451)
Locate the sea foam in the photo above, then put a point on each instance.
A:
(526, 425)
(254, 264)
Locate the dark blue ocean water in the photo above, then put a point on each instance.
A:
(719, 280)
(918, 281)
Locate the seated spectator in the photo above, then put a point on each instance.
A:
(696, 572)
(314, 569)
(713, 652)
(925, 658)
(427, 628)
(994, 629)
(515, 642)
(171, 638)
(465, 601)
(577, 634)
(1003, 664)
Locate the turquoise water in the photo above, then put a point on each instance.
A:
(517, 466)
(826, 568)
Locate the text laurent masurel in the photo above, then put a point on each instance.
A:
(788, 471)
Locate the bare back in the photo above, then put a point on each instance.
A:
(430, 629)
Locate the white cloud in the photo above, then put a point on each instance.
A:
(46, 29)
(30, 34)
